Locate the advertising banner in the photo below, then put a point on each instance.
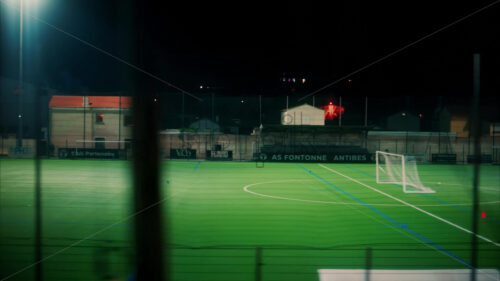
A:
(20, 152)
(182, 154)
(444, 158)
(418, 157)
(485, 159)
(93, 153)
(320, 157)
(219, 155)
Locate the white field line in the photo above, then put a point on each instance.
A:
(413, 206)
(246, 188)
(481, 188)
(409, 275)
(384, 223)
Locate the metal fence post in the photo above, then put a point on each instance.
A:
(476, 132)
(148, 203)
(38, 190)
(258, 264)
(463, 153)
(368, 263)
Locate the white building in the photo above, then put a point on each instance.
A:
(303, 115)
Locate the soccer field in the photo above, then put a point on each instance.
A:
(302, 216)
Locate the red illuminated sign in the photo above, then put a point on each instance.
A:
(332, 111)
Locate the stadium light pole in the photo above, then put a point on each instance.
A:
(20, 91)
(20, 87)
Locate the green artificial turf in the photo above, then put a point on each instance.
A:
(303, 217)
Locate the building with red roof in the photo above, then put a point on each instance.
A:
(92, 102)
(90, 122)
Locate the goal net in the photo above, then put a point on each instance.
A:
(401, 170)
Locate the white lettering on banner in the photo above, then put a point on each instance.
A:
(299, 157)
(360, 157)
(320, 157)
(219, 154)
(88, 153)
(183, 152)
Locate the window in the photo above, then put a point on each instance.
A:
(127, 120)
(99, 119)
(99, 143)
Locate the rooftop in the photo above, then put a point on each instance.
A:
(93, 101)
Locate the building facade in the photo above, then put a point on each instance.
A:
(303, 115)
(97, 122)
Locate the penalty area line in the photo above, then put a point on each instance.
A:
(412, 206)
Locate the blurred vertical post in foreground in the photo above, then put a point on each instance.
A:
(476, 133)
(147, 202)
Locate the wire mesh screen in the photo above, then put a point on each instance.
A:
(141, 179)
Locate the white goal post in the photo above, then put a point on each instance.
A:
(399, 169)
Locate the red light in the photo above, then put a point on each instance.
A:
(332, 111)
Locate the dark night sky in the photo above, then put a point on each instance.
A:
(243, 48)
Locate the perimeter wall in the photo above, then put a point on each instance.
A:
(243, 147)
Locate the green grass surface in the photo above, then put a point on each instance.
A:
(303, 216)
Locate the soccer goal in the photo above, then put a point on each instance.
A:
(399, 169)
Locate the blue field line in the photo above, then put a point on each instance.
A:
(427, 195)
(402, 225)
(196, 167)
(393, 226)
(396, 226)
(132, 275)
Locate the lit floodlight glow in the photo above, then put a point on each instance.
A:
(31, 3)
(25, 3)
(332, 111)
